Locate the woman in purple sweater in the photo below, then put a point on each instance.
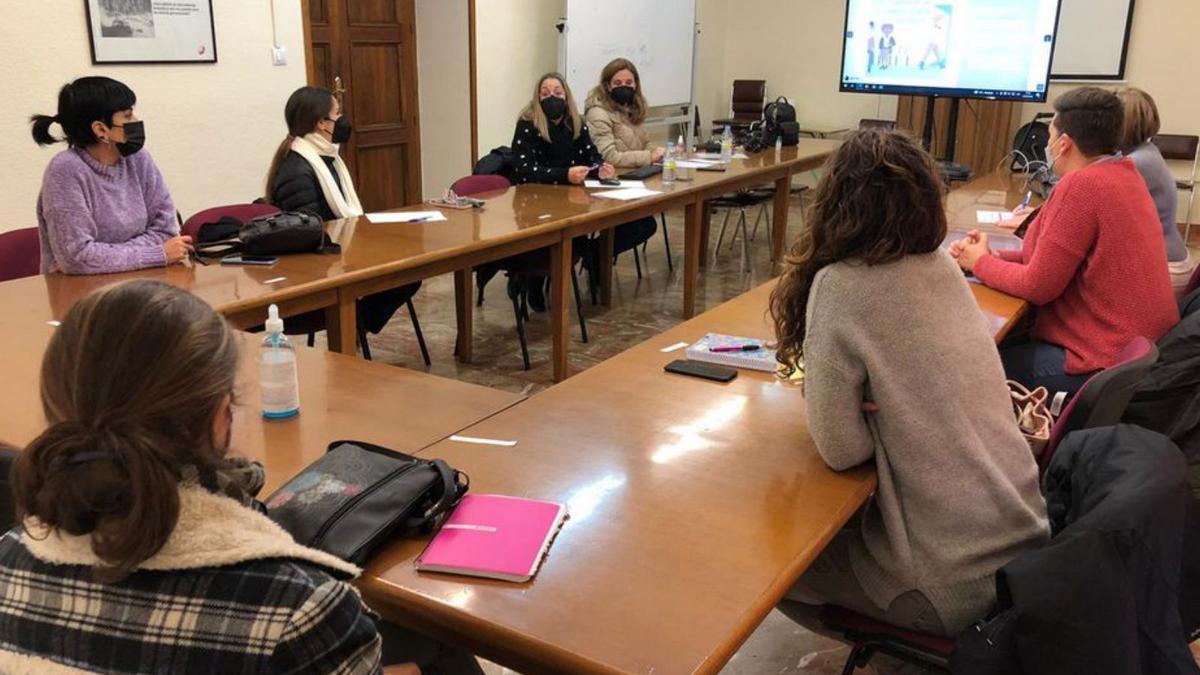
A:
(103, 205)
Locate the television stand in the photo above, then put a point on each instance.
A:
(951, 170)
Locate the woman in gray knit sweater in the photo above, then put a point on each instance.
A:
(901, 368)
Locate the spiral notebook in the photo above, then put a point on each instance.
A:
(760, 359)
(494, 537)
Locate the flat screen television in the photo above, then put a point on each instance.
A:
(991, 49)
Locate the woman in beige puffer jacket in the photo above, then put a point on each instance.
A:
(615, 110)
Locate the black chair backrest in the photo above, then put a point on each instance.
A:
(748, 98)
(1177, 146)
(8, 505)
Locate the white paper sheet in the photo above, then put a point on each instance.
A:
(992, 217)
(624, 184)
(626, 194)
(695, 164)
(407, 217)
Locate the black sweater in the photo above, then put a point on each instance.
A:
(538, 161)
(296, 187)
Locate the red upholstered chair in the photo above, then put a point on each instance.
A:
(1102, 400)
(1194, 282)
(521, 266)
(20, 254)
(240, 212)
(868, 636)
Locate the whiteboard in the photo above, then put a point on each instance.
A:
(657, 35)
(1092, 39)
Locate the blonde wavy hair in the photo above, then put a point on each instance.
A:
(533, 111)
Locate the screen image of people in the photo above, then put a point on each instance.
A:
(980, 47)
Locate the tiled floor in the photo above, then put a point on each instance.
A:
(641, 309)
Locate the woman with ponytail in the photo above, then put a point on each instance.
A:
(900, 369)
(307, 174)
(103, 206)
(136, 550)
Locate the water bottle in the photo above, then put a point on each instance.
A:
(277, 371)
(726, 145)
(778, 145)
(668, 175)
(681, 152)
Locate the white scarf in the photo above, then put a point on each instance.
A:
(344, 202)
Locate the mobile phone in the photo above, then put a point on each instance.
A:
(706, 371)
(610, 181)
(712, 167)
(1024, 226)
(264, 260)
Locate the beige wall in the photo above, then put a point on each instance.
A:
(212, 129)
(1160, 60)
(797, 49)
(444, 80)
(516, 42)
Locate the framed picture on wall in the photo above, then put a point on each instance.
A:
(151, 31)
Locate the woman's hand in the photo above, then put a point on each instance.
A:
(177, 248)
(607, 171)
(657, 155)
(577, 174)
(968, 250)
(402, 669)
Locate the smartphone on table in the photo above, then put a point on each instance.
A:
(262, 260)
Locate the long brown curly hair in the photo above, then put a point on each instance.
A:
(880, 199)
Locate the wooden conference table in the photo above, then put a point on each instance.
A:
(694, 507)
(340, 397)
(377, 256)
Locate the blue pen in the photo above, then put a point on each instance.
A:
(1028, 198)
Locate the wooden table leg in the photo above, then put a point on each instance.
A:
(693, 253)
(783, 194)
(607, 239)
(464, 310)
(341, 323)
(560, 290)
(705, 227)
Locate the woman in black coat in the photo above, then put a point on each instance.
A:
(308, 175)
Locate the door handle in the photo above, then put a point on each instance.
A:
(338, 90)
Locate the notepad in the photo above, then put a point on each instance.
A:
(626, 194)
(992, 217)
(624, 184)
(696, 163)
(759, 359)
(494, 537)
(407, 217)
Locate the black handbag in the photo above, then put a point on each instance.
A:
(283, 233)
(358, 495)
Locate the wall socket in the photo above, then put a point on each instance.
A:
(279, 56)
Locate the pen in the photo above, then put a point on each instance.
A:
(419, 220)
(743, 348)
(1028, 198)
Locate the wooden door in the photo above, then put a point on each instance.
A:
(365, 51)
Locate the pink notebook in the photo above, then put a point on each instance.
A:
(494, 536)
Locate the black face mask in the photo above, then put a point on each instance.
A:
(623, 95)
(554, 107)
(341, 130)
(135, 138)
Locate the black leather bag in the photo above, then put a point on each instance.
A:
(779, 121)
(358, 495)
(283, 233)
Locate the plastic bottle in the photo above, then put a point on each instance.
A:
(277, 371)
(668, 174)
(727, 145)
(778, 146)
(681, 152)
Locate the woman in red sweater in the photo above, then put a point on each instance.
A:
(1093, 261)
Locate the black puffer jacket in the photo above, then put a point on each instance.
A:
(1168, 401)
(1101, 597)
(296, 187)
